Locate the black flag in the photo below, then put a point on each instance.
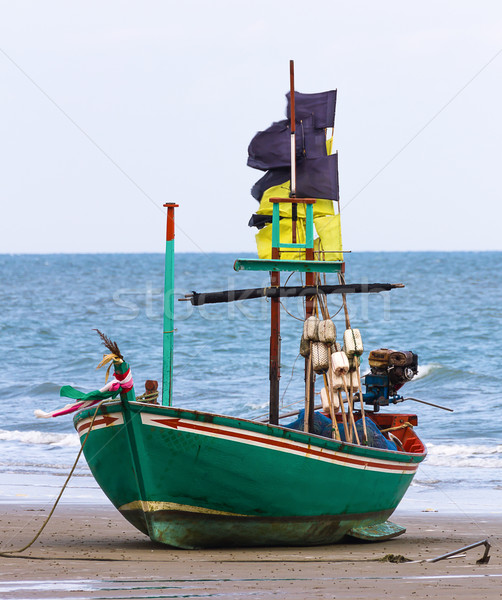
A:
(322, 106)
(270, 179)
(318, 178)
(271, 149)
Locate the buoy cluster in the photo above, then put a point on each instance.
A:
(339, 366)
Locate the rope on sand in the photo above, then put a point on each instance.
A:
(8, 553)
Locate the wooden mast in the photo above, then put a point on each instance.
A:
(275, 276)
(275, 338)
(294, 208)
(275, 345)
(309, 255)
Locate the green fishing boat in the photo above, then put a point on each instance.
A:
(194, 479)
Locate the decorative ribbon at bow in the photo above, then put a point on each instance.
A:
(121, 382)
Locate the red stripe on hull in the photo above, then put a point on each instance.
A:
(285, 445)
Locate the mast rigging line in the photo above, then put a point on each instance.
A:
(198, 299)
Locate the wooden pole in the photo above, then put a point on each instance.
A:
(308, 417)
(341, 278)
(351, 412)
(344, 416)
(275, 346)
(327, 385)
(292, 126)
(309, 255)
(294, 208)
(363, 414)
(309, 376)
(327, 378)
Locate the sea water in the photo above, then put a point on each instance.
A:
(449, 313)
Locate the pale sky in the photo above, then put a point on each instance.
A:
(109, 109)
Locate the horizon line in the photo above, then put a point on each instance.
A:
(97, 253)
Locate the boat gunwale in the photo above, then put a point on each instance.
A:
(266, 429)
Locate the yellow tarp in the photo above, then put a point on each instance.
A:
(329, 242)
(329, 146)
(330, 236)
(327, 225)
(264, 240)
(279, 191)
(322, 207)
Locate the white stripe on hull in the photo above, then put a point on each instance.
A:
(280, 444)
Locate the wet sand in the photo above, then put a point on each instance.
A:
(92, 552)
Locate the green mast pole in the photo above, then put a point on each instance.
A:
(167, 364)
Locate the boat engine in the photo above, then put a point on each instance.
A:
(390, 370)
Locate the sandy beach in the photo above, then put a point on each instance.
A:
(92, 552)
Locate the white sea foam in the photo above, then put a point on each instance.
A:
(38, 437)
(481, 456)
(424, 370)
(257, 406)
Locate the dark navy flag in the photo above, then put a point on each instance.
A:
(259, 221)
(322, 106)
(315, 178)
(271, 149)
(318, 178)
(312, 139)
(270, 179)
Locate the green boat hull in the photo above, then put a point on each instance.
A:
(191, 479)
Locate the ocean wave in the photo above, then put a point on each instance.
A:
(427, 369)
(481, 456)
(425, 483)
(48, 387)
(257, 405)
(37, 437)
(42, 469)
(34, 465)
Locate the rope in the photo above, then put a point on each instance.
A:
(403, 426)
(147, 397)
(289, 277)
(337, 311)
(280, 302)
(290, 379)
(297, 318)
(7, 553)
(110, 360)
